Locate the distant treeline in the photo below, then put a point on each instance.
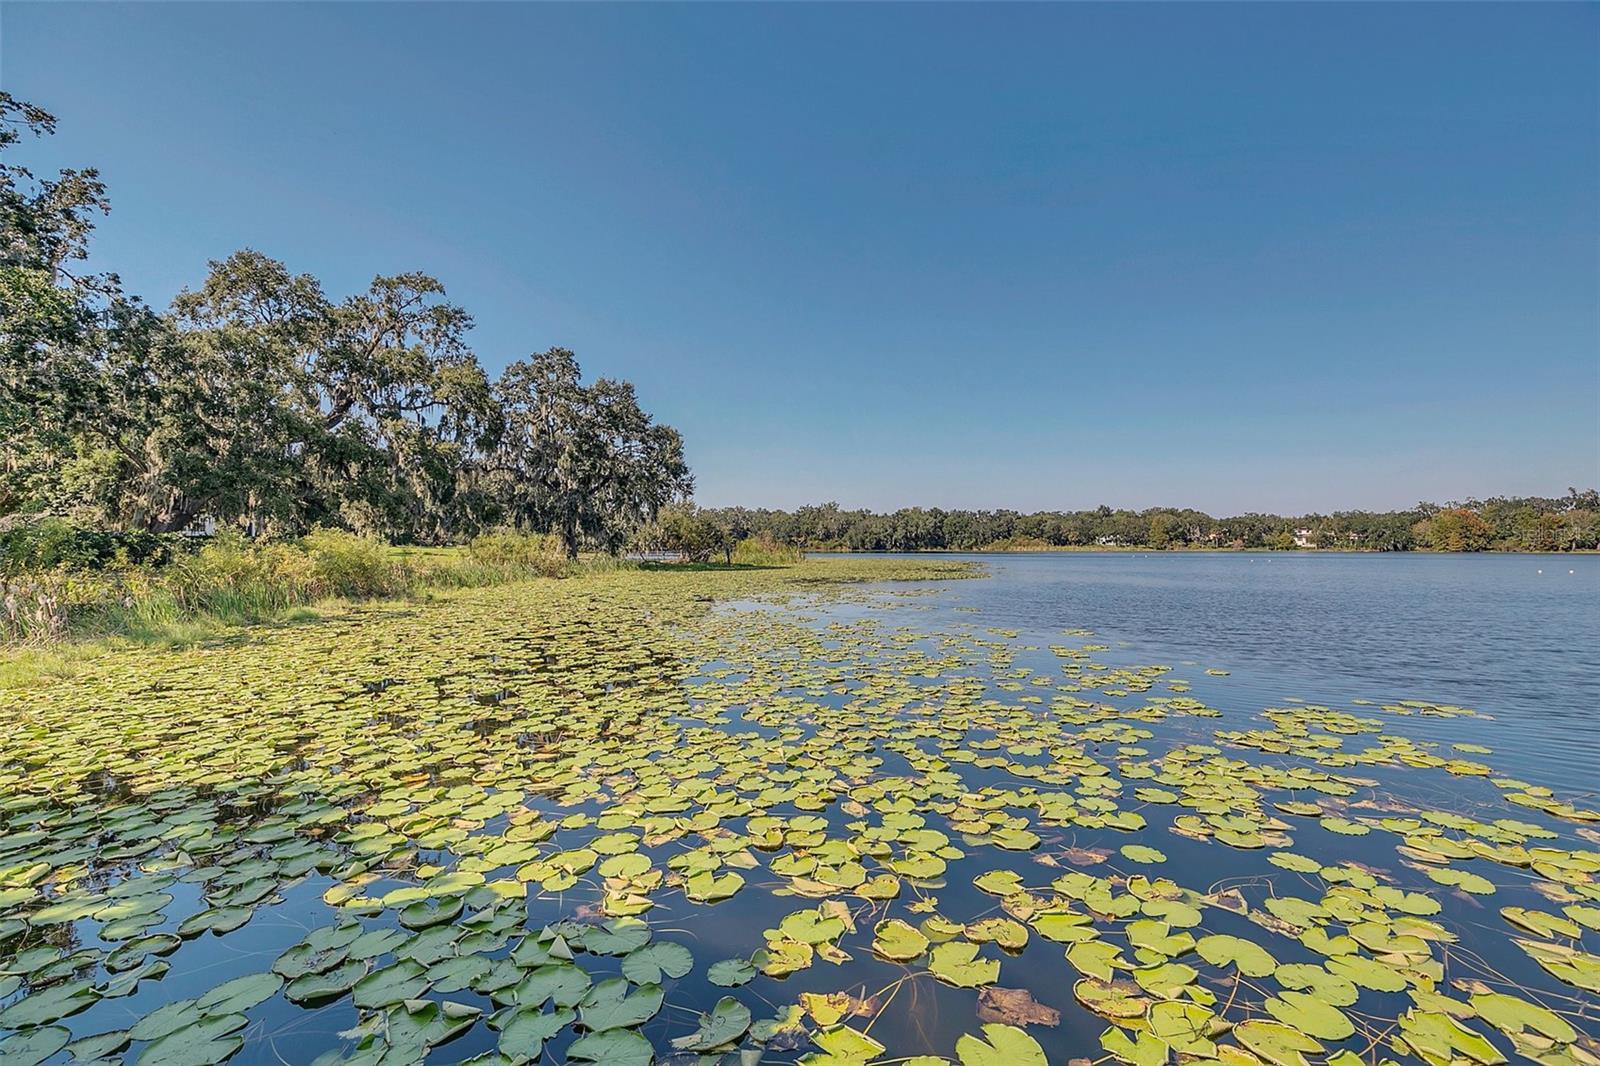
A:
(1534, 523)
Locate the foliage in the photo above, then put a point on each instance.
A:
(37, 607)
(535, 553)
(230, 579)
(765, 550)
(583, 462)
(688, 531)
(1455, 529)
(40, 544)
(263, 403)
(698, 535)
(1562, 523)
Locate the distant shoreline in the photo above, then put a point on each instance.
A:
(1109, 549)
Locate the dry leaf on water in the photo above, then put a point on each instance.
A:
(1014, 1006)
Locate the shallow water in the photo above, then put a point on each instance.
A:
(849, 690)
(1513, 636)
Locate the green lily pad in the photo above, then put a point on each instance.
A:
(1248, 958)
(202, 1043)
(895, 939)
(726, 1022)
(1512, 1015)
(48, 1005)
(647, 965)
(958, 964)
(707, 887)
(731, 973)
(561, 983)
(311, 987)
(168, 1018)
(34, 1046)
(240, 994)
(393, 984)
(1325, 986)
(524, 1031)
(811, 927)
(616, 937)
(1001, 1045)
(1276, 1043)
(843, 1046)
(614, 1047)
(1367, 973)
(1310, 1015)
(610, 1005)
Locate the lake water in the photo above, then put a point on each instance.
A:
(1114, 681)
(1516, 637)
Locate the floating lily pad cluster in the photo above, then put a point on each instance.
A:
(514, 814)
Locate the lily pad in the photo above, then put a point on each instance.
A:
(614, 1047)
(895, 939)
(958, 964)
(730, 973)
(1310, 1015)
(1001, 1045)
(1276, 1043)
(647, 965)
(1248, 958)
(726, 1022)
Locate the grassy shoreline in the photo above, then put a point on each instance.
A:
(1112, 549)
(447, 575)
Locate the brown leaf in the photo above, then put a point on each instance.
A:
(1086, 856)
(835, 908)
(1024, 905)
(1229, 899)
(1274, 923)
(1014, 1006)
(1555, 893)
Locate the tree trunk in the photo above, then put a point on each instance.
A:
(180, 517)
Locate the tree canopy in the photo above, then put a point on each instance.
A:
(260, 401)
(1559, 523)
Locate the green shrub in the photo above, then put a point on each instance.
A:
(241, 580)
(765, 551)
(511, 552)
(347, 565)
(42, 544)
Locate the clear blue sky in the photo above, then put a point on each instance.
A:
(1275, 257)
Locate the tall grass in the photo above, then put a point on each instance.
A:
(233, 581)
